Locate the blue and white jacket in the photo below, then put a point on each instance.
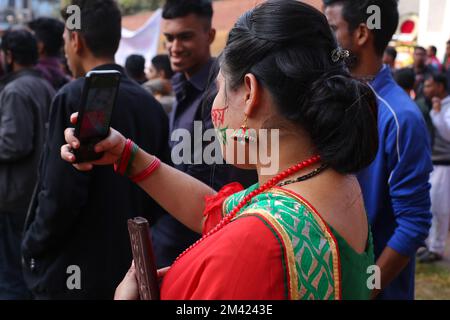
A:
(396, 186)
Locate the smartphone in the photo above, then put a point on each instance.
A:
(94, 118)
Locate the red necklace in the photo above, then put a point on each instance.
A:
(268, 185)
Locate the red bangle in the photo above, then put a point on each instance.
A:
(147, 172)
(124, 159)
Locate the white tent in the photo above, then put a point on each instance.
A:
(143, 41)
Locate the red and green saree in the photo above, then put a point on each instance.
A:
(277, 247)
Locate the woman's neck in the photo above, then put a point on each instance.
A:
(291, 150)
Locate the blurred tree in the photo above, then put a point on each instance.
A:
(131, 6)
(134, 6)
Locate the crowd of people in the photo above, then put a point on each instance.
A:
(363, 156)
(427, 82)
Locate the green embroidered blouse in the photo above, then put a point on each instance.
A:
(320, 263)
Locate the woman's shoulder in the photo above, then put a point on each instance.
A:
(309, 245)
(276, 202)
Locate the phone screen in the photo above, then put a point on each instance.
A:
(99, 106)
(99, 98)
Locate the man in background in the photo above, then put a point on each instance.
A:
(421, 70)
(77, 223)
(389, 57)
(49, 34)
(395, 187)
(436, 91)
(135, 67)
(432, 59)
(159, 84)
(187, 28)
(25, 99)
(405, 78)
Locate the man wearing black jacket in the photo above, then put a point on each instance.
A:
(76, 244)
(25, 101)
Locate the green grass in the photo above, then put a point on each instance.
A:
(433, 281)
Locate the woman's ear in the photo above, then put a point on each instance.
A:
(252, 91)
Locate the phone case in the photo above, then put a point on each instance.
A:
(86, 151)
(144, 259)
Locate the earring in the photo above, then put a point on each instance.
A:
(244, 135)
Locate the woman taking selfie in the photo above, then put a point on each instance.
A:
(302, 232)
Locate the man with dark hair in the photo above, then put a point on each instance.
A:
(159, 83)
(189, 50)
(76, 243)
(405, 78)
(161, 68)
(25, 100)
(432, 59)
(187, 28)
(395, 186)
(389, 57)
(436, 91)
(49, 34)
(421, 70)
(135, 67)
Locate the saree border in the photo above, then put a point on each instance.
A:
(337, 272)
(287, 248)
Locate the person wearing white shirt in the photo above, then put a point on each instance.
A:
(436, 91)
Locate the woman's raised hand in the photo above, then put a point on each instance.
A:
(112, 147)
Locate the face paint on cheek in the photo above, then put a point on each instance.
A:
(218, 116)
(222, 135)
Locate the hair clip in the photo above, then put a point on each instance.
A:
(339, 54)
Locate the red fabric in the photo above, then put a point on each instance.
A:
(243, 261)
(213, 205)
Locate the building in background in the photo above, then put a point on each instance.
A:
(424, 23)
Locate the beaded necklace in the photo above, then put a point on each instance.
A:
(268, 185)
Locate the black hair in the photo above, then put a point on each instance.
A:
(355, 12)
(181, 8)
(288, 45)
(405, 78)
(439, 78)
(162, 63)
(391, 52)
(135, 65)
(420, 48)
(23, 46)
(434, 49)
(50, 32)
(101, 25)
